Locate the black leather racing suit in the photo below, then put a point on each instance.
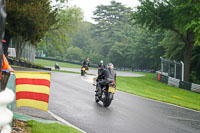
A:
(108, 75)
(101, 67)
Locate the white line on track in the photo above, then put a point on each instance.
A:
(64, 121)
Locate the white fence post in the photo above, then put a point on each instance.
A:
(182, 71)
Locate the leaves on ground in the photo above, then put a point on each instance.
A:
(20, 127)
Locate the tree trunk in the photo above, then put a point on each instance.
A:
(187, 55)
(19, 46)
(187, 61)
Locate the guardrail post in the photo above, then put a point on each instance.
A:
(161, 64)
(182, 71)
(174, 69)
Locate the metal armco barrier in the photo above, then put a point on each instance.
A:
(173, 82)
(195, 88)
(185, 85)
(177, 83)
(164, 79)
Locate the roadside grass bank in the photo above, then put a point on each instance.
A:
(52, 63)
(61, 64)
(147, 86)
(38, 127)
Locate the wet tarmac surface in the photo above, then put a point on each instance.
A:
(72, 98)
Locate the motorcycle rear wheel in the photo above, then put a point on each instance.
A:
(82, 73)
(107, 101)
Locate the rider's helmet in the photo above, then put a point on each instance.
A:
(110, 65)
(101, 61)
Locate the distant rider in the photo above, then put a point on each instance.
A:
(86, 63)
(57, 66)
(108, 75)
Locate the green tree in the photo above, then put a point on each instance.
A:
(85, 40)
(83, 37)
(195, 65)
(117, 55)
(174, 46)
(180, 16)
(145, 52)
(111, 19)
(108, 15)
(28, 21)
(74, 54)
(58, 37)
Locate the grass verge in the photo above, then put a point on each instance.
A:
(38, 127)
(42, 62)
(52, 63)
(148, 87)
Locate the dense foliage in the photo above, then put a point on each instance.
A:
(157, 28)
(56, 40)
(114, 39)
(179, 16)
(28, 21)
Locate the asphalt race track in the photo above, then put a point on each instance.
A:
(72, 98)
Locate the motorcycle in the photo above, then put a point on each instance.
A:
(83, 71)
(57, 67)
(107, 94)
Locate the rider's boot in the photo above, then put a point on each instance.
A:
(99, 91)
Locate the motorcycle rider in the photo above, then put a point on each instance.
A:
(108, 75)
(86, 63)
(101, 67)
(57, 66)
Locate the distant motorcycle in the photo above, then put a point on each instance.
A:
(83, 71)
(57, 67)
(107, 94)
